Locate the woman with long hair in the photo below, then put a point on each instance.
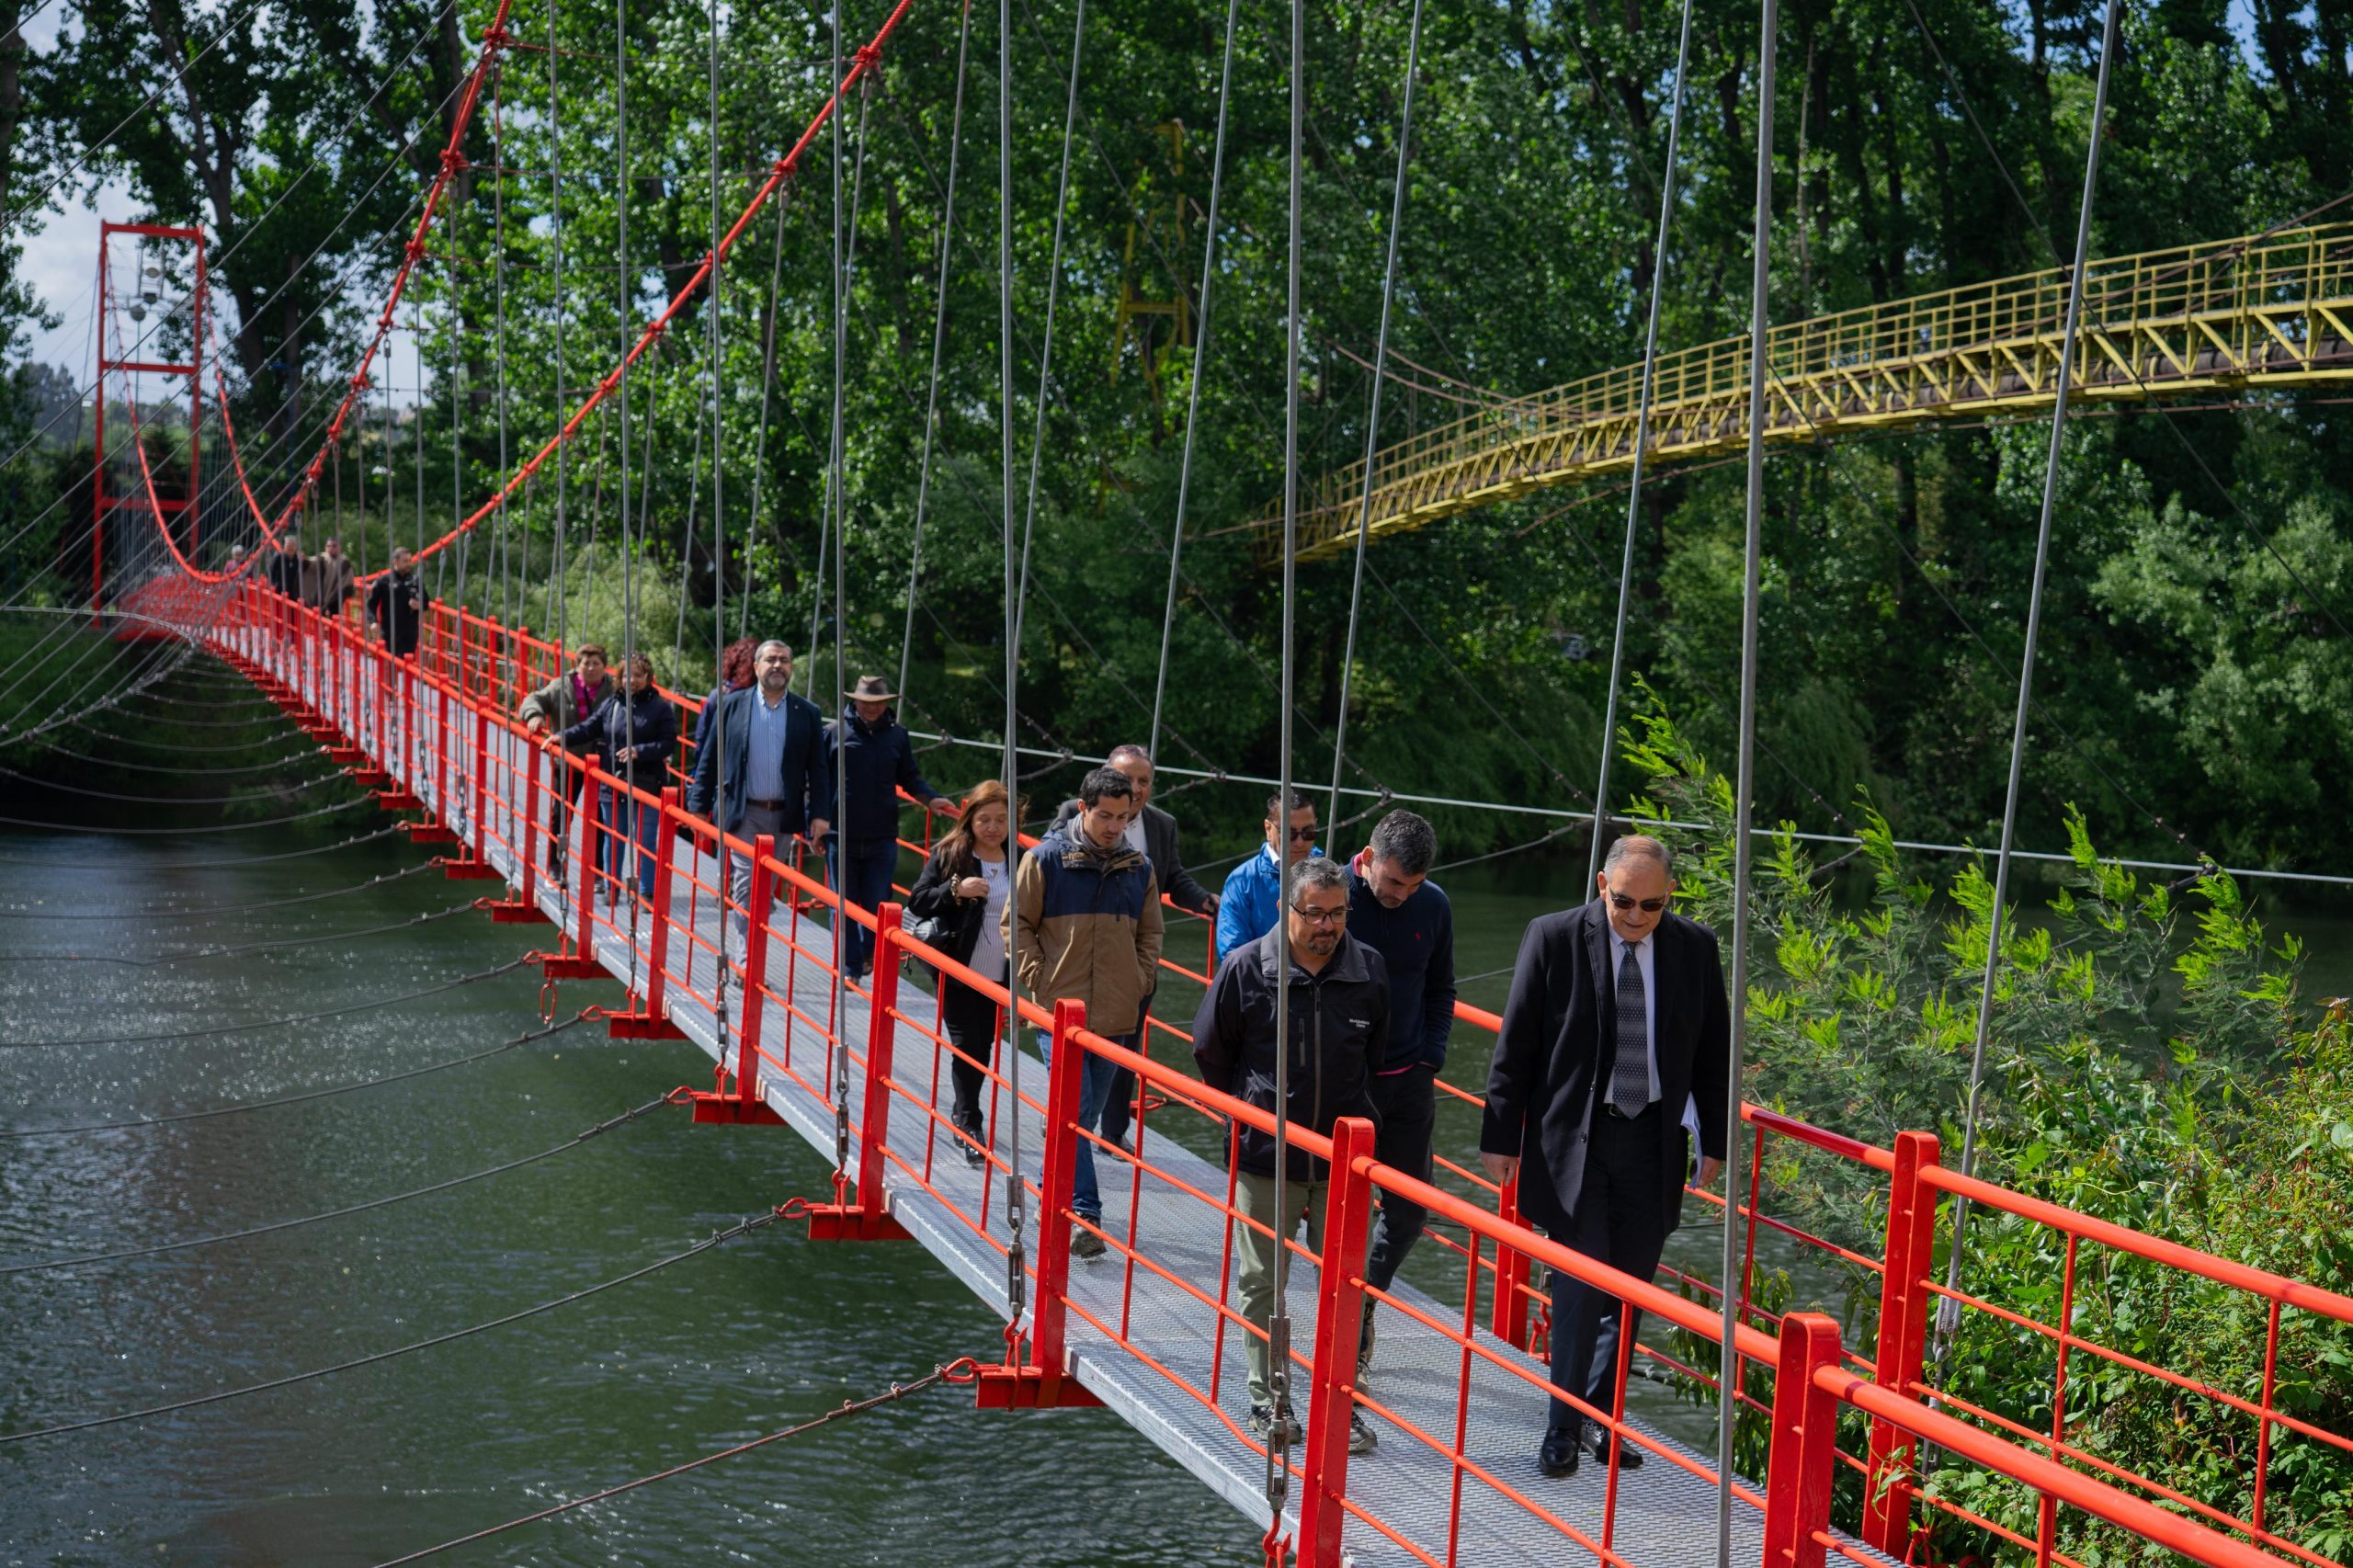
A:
(635, 732)
(735, 673)
(963, 886)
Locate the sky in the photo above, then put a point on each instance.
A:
(61, 261)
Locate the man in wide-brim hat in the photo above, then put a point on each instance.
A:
(876, 759)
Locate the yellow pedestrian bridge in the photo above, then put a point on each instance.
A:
(2268, 310)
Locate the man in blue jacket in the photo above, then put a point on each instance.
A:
(1397, 910)
(880, 761)
(1253, 892)
(771, 743)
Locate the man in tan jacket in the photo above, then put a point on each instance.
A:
(1084, 922)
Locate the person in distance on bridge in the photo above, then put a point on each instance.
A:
(735, 673)
(331, 577)
(286, 569)
(963, 889)
(1253, 896)
(1397, 910)
(634, 730)
(558, 705)
(1152, 831)
(880, 763)
(772, 743)
(1617, 1016)
(396, 605)
(1339, 1040)
(1085, 925)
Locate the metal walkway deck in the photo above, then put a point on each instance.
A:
(1665, 1513)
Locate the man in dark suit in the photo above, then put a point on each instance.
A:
(1153, 833)
(1617, 1016)
(773, 782)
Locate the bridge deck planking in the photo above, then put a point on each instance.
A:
(1666, 1515)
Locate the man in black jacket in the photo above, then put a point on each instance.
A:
(1617, 1018)
(1338, 1035)
(396, 603)
(865, 849)
(1399, 913)
(1154, 833)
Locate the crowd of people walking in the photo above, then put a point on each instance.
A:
(1611, 1062)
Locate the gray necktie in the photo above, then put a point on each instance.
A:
(1630, 1080)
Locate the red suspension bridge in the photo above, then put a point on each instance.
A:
(1848, 1419)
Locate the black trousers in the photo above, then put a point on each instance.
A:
(1118, 1107)
(1407, 1102)
(971, 1020)
(1618, 1222)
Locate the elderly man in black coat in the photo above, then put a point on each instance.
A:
(1618, 1017)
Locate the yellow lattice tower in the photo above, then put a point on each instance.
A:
(1158, 226)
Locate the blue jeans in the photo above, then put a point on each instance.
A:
(871, 862)
(1094, 1092)
(615, 812)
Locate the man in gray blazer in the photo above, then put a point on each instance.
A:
(1153, 832)
(1617, 1018)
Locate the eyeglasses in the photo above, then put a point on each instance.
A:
(1321, 916)
(1647, 905)
(1302, 834)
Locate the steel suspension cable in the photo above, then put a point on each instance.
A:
(953, 1372)
(240, 1107)
(1642, 442)
(836, 519)
(760, 440)
(555, 292)
(149, 915)
(1016, 1281)
(939, 338)
(215, 1030)
(1372, 419)
(1053, 297)
(1278, 1319)
(193, 955)
(124, 1254)
(1948, 1312)
(718, 560)
(1200, 366)
(1728, 1363)
(716, 1238)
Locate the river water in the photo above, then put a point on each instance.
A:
(364, 1466)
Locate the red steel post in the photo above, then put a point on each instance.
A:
(478, 812)
(1058, 1174)
(527, 849)
(1799, 1474)
(756, 907)
(874, 1123)
(1507, 1316)
(1905, 1306)
(657, 956)
(583, 864)
(1339, 1311)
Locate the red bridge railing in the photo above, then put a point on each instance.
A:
(436, 730)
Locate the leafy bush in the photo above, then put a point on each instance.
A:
(2146, 1068)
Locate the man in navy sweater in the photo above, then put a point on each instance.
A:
(1397, 910)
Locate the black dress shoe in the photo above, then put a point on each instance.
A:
(1596, 1443)
(1559, 1455)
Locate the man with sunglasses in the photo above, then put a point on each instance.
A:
(1618, 1017)
(1338, 997)
(1253, 894)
